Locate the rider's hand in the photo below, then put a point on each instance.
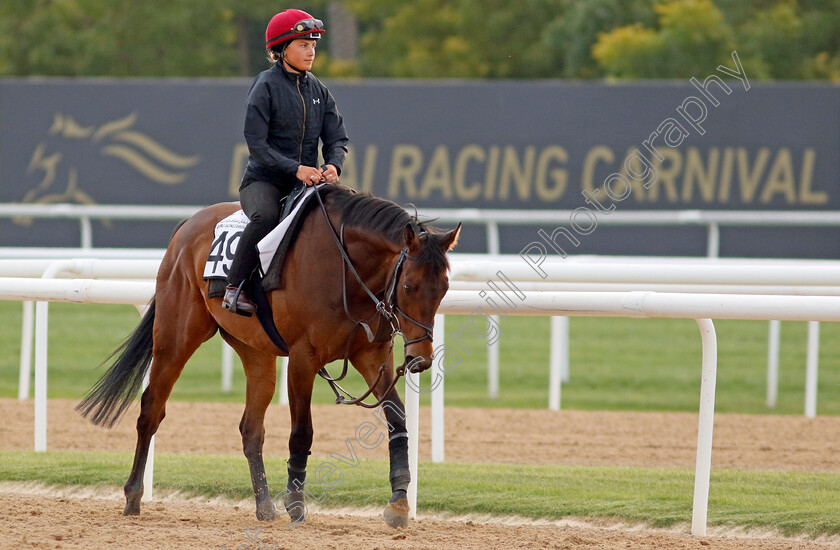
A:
(329, 173)
(308, 174)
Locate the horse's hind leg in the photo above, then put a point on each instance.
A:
(261, 375)
(179, 330)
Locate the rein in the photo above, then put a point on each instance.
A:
(386, 309)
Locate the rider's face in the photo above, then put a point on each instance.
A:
(300, 54)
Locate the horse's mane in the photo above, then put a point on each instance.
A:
(386, 218)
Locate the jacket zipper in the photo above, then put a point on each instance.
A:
(303, 129)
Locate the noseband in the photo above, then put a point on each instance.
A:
(388, 309)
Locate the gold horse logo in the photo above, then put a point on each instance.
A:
(115, 139)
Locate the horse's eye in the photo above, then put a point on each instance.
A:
(408, 289)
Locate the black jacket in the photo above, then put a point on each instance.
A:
(286, 115)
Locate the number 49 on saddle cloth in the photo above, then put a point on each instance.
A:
(226, 238)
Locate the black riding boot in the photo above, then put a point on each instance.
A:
(260, 201)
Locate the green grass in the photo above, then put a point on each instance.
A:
(792, 502)
(616, 364)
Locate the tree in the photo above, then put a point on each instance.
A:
(466, 39)
(630, 52)
(588, 39)
(570, 36)
(774, 36)
(130, 38)
(692, 36)
(424, 38)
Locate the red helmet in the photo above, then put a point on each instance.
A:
(291, 24)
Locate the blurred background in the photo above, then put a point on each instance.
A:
(532, 39)
(526, 107)
(490, 110)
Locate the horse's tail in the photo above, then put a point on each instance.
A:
(114, 392)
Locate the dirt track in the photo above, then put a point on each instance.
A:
(36, 518)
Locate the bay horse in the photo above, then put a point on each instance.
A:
(402, 263)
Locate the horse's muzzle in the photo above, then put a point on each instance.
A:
(417, 364)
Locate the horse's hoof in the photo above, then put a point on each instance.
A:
(295, 507)
(131, 509)
(396, 513)
(266, 512)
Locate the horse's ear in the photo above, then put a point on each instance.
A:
(450, 238)
(409, 236)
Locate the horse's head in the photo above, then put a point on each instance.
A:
(421, 284)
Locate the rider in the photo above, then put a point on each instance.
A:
(288, 111)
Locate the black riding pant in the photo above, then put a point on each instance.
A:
(260, 201)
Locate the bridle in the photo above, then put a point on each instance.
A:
(388, 309)
(391, 299)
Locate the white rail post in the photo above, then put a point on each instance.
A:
(438, 376)
(41, 337)
(493, 248)
(811, 369)
(149, 471)
(227, 367)
(26, 349)
(412, 420)
(493, 362)
(283, 398)
(565, 368)
(41, 340)
(87, 232)
(559, 356)
(702, 472)
(713, 240)
(773, 363)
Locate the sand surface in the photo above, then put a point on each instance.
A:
(43, 517)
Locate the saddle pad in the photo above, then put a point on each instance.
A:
(225, 238)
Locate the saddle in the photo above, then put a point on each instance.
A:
(288, 203)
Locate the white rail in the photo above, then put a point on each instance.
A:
(701, 307)
(88, 268)
(605, 274)
(490, 218)
(96, 263)
(712, 219)
(79, 291)
(647, 304)
(87, 212)
(51, 269)
(701, 272)
(623, 274)
(55, 253)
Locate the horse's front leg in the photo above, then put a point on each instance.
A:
(261, 375)
(397, 510)
(301, 380)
